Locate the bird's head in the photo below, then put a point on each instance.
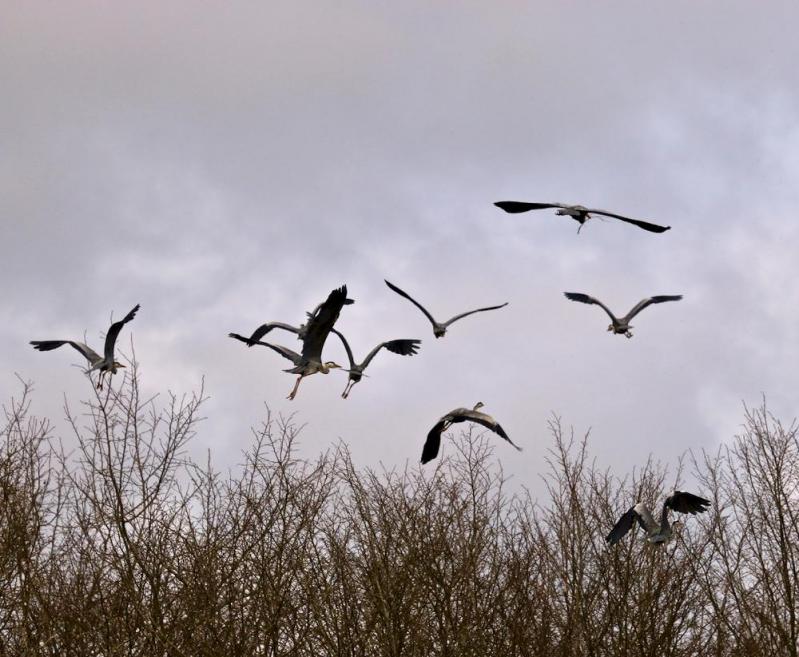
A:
(611, 327)
(478, 406)
(117, 365)
(676, 526)
(330, 365)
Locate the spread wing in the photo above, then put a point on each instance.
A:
(433, 442)
(643, 303)
(515, 207)
(48, 345)
(584, 298)
(686, 503)
(263, 329)
(346, 347)
(412, 300)
(113, 332)
(485, 420)
(319, 325)
(287, 353)
(402, 347)
(652, 228)
(623, 525)
(471, 312)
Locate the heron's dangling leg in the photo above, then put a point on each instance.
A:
(349, 387)
(293, 392)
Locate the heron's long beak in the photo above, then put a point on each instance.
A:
(344, 369)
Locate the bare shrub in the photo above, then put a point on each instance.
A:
(126, 547)
(752, 579)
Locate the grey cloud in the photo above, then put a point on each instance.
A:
(231, 165)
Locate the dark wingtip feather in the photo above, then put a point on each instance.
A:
(241, 338)
(501, 432)
(652, 228)
(47, 345)
(428, 453)
(622, 526)
(342, 292)
(512, 207)
(577, 296)
(432, 444)
(404, 347)
(684, 502)
(132, 313)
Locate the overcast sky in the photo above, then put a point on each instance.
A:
(228, 164)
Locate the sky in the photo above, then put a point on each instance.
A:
(229, 164)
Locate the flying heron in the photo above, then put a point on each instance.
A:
(313, 335)
(622, 325)
(678, 501)
(404, 347)
(433, 442)
(105, 363)
(579, 213)
(440, 328)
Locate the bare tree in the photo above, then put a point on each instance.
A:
(127, 547)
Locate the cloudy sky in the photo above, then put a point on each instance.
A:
(228, 164)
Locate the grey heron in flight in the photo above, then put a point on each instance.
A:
(433, 442)
(314, 334)
(658, 533)
(403, 347)
(440, 328)
(105, 363)
(621, 325)
(579, 213)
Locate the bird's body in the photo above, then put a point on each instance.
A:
(433, 442)
(302, 365)
(404, 347)
(621, 325)
(440, 328)
(664, 530)
(105, 364)
(313, 335)
(579, 213)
